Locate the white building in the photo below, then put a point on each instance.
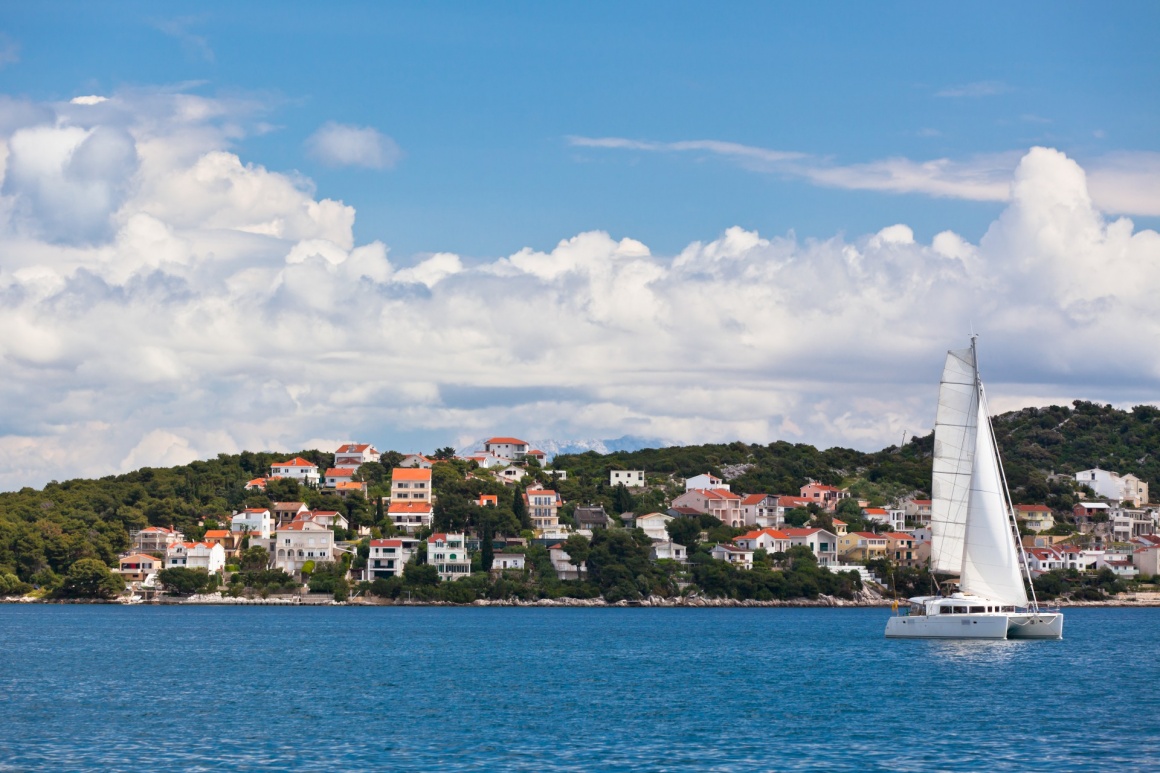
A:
(155, 539)
(509, 448)
(196, 555)
(388, 557)
(297, 468)
(328, 518)
(823, 543)
(336, 475)
(417, 460)
(732, 554)
(763, 511)
(769, 540)
(503, 561)
(411, 484)
(719, 503)
(565, 570)
(286, 512)
(705, 481)
(543, 508)
(511, 474)
(448, 554)
(628, 478)
(486, 460)
(668, 551)
(1111, 485)
(654, 525)
(894, 519)
(296, 543)
(251, 520)
(355, 455)
(411, 517)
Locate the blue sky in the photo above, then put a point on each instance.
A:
(275, 225)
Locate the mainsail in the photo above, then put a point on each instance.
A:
(990, 561)
(955, 431)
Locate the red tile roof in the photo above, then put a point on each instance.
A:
(410, 473)
(340, 472)
(1033, 508)
(297, 461)
(410, 507)
(505, 441)
(386, 543)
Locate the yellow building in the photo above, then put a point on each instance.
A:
(862, 546)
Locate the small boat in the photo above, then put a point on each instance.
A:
(973, 528)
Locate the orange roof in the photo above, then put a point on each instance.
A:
(869, 535)
(386, 543)
(256, 510)
(875, 510)
(340, 472)
(536, 452)
(138, 558)
(514, 441)
(921, 501)
(836, 522)
(288, 505)
(536, 492)
(774, 533)
(297, 461)
(353, 448)
(217, 534)
(753, 499)
(410, 507)
(792, 501)
(800, 532)
(897, 535)
(1033, 508)
(344, 485)
(440, 537)
(716, 493)
(410, 473)
(256, 482)
(160, 529)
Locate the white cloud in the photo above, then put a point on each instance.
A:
(225, 307)
(336, 144)
(195, 46)
(975, 89)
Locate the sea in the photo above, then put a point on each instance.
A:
(144, 688)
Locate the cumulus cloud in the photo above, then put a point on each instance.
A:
(210, 305)
(336, 144)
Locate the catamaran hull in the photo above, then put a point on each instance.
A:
(989, 626)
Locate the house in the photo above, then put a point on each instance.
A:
(135, 567)
(503, 561)
(410, 484)
(821, 494)
(328, 518)
(543, 508)
(286, 512)
(762, 510)
(538, 455)
(667, 550)
(155, 539)
(411, 517)
(297, 468)
(417, 460)
(628, 478)
(901, 548)
(256, 484)
(719, 503)
(561, 562)
(1075, 557)
(705, 481)
(1035, 518)
(769, 540)
(252, 519)
(448, 554)
(732, 554)
(487, 500)
(683, 512)
(1147, 560)
(336, 475)
(298, 542)
(917, 510)
(1119, 562)
(511, 474)
(222, 537)
(1042, 560)
(388, 557)
(862, 546)
(485, 460)
(556, 474)
(1111, 485)
(355, 455)
(893, 519)
(654, 525)
(195, 555)
(1087, 514)
(592, 517)
(345, 488)
(839, 526)
(824, 544)
(509, 448)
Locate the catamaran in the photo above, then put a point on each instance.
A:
(973, 529)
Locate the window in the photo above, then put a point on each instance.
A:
(976, 610)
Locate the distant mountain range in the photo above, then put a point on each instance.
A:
(553, 448)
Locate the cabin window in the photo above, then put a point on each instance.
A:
(960, 610)
(975, 610)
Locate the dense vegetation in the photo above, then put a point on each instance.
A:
(45, 533)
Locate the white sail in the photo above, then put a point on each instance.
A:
(990, 561)
(955, 431)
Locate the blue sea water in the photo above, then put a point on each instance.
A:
(471, 689)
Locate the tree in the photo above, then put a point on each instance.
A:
(797, 517)
(486, 549)
(90, 578)
(256, 558)
(184, 581)
(684, 531)
(621, 499)
(520, 508)
(577, 547)
(421, 574)
(445, 453)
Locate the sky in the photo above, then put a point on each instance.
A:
(268, 226)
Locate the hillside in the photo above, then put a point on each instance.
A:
(42, 532)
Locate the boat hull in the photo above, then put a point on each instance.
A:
(985, 626)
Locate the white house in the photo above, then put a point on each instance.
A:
(667, 550)
(824, 544)
(502, 561)
(1147, 560)
(654, 525)
(1041, 560)
(297, 468)
(565, 570)
(894, 519)
(486, 460)
(509, 448)
(1111, 485)
(328, 518)
(251, 520)
(411, 517)
(629, 478)
(417, 460)
(388, 557)
(543, 508)
(448, 554)
(769, 540)
(336, 475)
(296, 543)
(511, 474)
(917, 510)
(705, 481)
(196, 555)
(355, 455)
(286, 512)
(737, 556)
(762, 510)
(411, 484)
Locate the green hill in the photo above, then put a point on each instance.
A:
(43, 532)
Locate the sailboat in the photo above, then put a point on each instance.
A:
(973, 529)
